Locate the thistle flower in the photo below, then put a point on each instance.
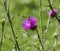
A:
(30, 23)
(53, 13)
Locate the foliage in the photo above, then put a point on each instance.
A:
(28, 41)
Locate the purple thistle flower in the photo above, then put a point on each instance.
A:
(53, 13)
(30, 23)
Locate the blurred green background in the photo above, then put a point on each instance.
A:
(20, 8)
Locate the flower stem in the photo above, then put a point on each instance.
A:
(48, 23)
(8, 15)
(41, 18)
(40, 40)
(55, 43)
(3, 23)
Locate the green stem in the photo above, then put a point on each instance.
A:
(40, 40)
(48, 22)
(8, 15)
(41, 25)
(3, 23)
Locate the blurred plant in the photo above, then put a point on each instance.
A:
(1, 42)
(49, 50)
(40, 12)
(53, 12)
(6, 6)
(56, 40)
(30, 23)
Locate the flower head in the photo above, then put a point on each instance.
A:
(53, 13)
(30, 23)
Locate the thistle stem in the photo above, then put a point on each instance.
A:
(55, 43)
(48, 22)
(3, 23)
(13, 33)
(40, 40)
